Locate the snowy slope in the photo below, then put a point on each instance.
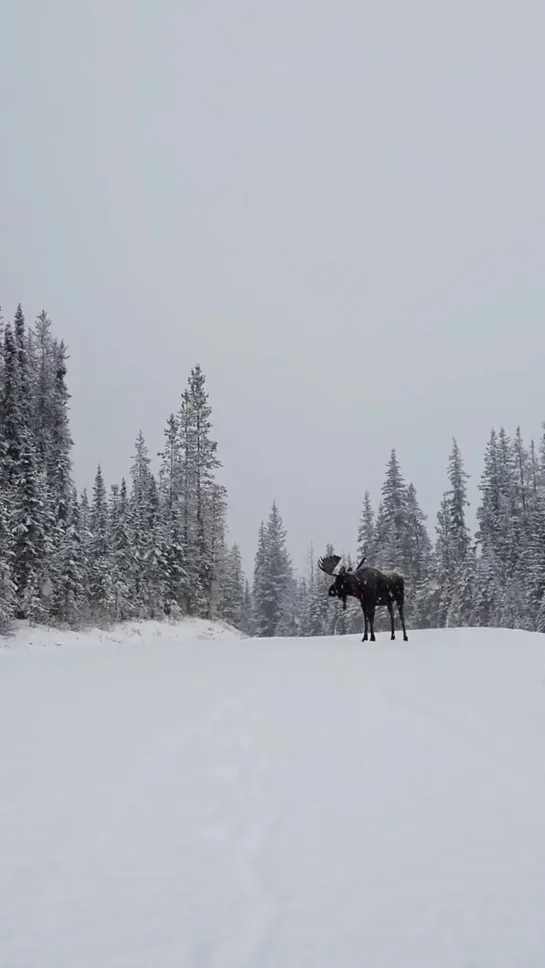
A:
(224, 803)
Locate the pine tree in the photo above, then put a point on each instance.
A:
(69, 566)
(391, 525)
(259, 595)
(217, 551)
(121, 555)
(246, 622)
(155, 561)
(207, 496)
(11, 416)
(59, 463)
(22, 368)
(32, 535)
(417, 555)
(231, 605)
(279, 569)
(457, 503)
(8, 591)
(171, 494)
(535, 550)
(142, 534)
(100, 583)
(319, 611)
(452, 548)
(203, 500)
(366, 532)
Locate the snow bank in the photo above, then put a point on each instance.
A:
(273, 804)
(25, 636)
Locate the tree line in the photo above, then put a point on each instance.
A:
(155, 544)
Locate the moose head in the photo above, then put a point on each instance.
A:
(340, 587)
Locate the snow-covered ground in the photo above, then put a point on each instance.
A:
(197, 799)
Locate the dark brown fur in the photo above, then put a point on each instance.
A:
(372, 588)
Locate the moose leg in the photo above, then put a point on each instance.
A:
(365, 633)
(391, 611)
(400, 610)
(372, 622)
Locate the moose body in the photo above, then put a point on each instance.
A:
(372, 588)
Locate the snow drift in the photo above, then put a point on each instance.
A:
(169, 800)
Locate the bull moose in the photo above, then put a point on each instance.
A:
(371, 587)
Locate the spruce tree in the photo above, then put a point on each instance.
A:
(246, 622)
(142, 534)
(231, 605)
(202, 498)
(260, 595)
(207, 497)
(69, 569)
(366, 532)
(319, 610)
(417, 556)
(392, 525)
(279, 570)
(8, 591)
(121, 553)
(100, 576)
(11, 416)
(172, 513)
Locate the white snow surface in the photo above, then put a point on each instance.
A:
(179, 796)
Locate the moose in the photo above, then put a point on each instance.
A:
(371, 587)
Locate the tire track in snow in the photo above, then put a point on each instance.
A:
(464, 733)
(239, 819)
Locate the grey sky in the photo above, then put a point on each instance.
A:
(336, 208)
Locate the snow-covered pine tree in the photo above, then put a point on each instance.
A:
(439, 596)
(155, 570)
(320, 615)
(391, 531)
(231, 604)
(259, 591)
(186, 434)
(143, 528)
(488, 514)
(273, 576)
(23, 479)
(121, 554)
(391, 524)
(279, 586)
(32, 528)
(100, 576)
(207, 497)
(69, 569)
(203, 499)
(8, 591)
(456, 588)
(43, 346)
(246, 622)
(217, 550)
(502, 597)
(23, 367)
(457, 503)
(302, 603)
(366, 532)
(11, 416)
(521, 537)
(417, 555)
(57, 464)
(172, 507)
(535, 552)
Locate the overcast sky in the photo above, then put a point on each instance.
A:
(336, 208)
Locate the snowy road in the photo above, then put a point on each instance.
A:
(232, 803)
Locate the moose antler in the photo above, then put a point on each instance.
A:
(328, 564)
